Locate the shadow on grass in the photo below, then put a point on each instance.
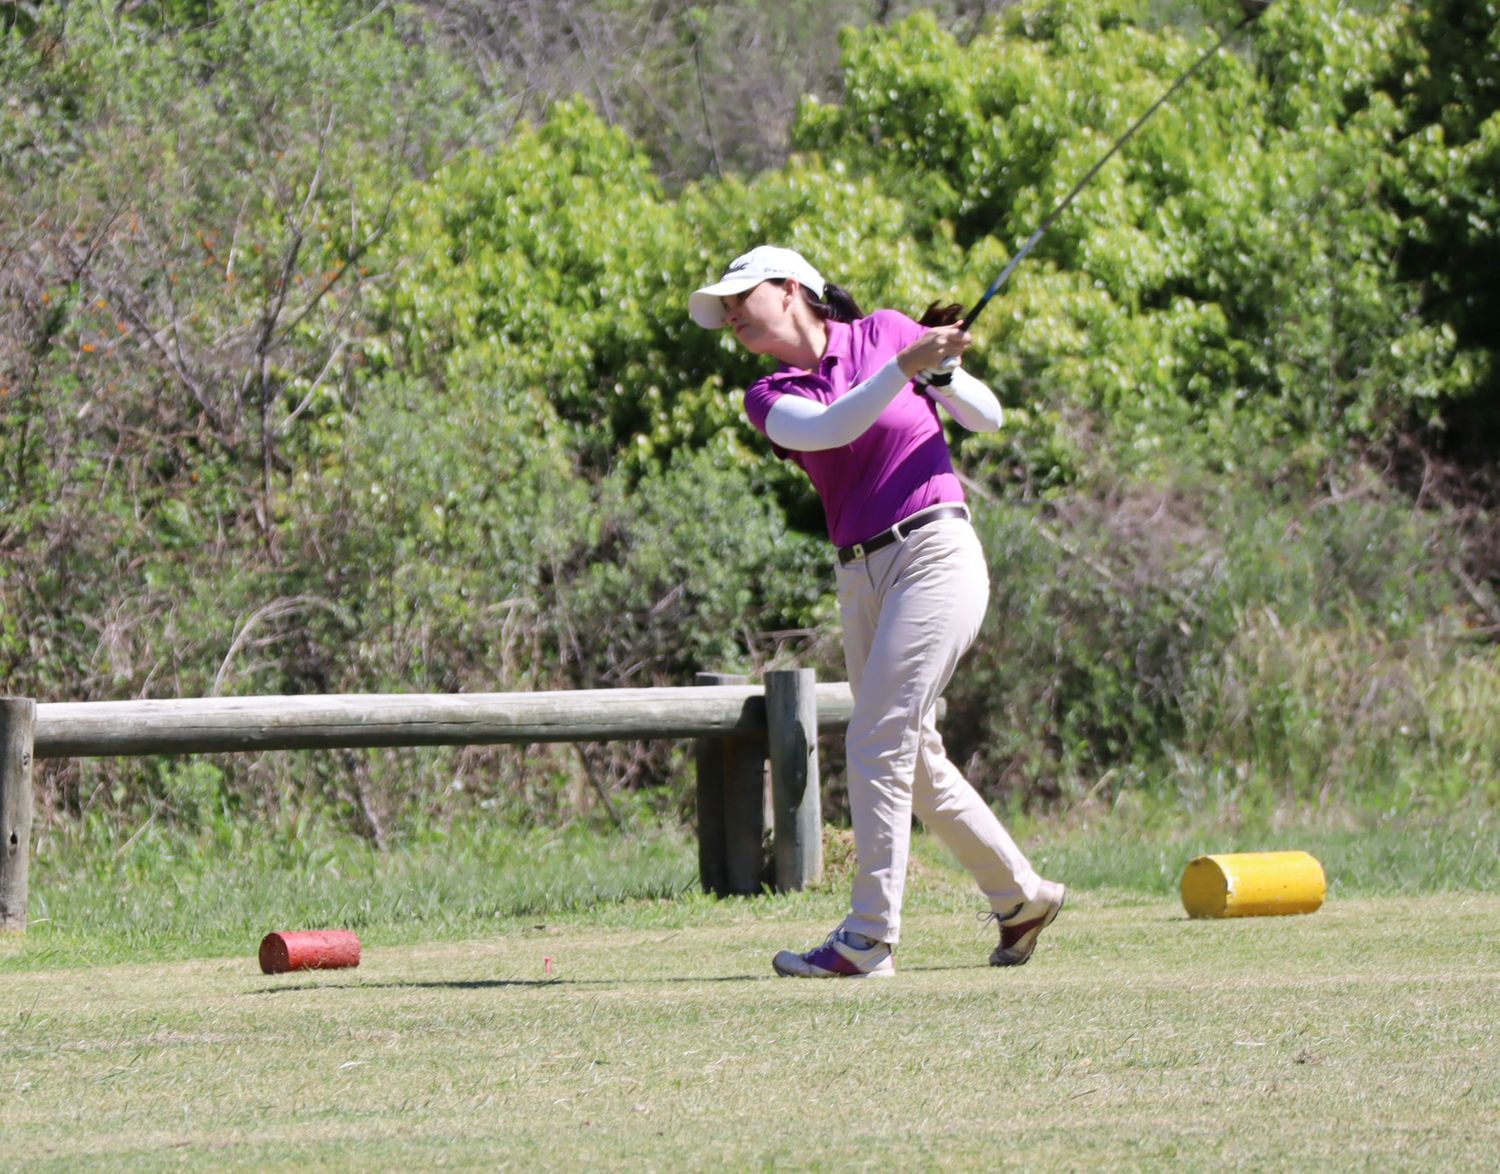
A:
(482, 984)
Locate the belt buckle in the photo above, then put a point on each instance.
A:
(857, 552)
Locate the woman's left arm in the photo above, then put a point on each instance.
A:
(969, 401)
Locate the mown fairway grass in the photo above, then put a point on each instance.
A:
(1359, 1037)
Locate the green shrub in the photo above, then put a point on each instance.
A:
(1228, 281)
(318, 375)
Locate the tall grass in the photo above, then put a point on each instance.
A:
(1221, 643)
(99, 896)
(1342, 716)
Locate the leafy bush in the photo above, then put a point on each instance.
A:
(322, 372)
(1226, 282)
(1442, 74)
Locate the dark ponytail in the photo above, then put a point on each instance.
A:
(836, 304)
(938, 314)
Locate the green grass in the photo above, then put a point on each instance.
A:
(171, 895)
(1369, 854)
(138, 1032)
(1359, 1037)
(160, 895)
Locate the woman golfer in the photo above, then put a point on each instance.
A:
(850, 405)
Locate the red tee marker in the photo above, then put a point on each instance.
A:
(312, 949)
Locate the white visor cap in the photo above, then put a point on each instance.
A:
(748, 271)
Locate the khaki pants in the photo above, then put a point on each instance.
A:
(910, 611)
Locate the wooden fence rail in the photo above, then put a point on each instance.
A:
(740, 729)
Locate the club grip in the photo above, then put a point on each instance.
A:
(943, 376)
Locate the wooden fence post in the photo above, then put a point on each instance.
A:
(17, 735)
(731, 807)
(792, 734)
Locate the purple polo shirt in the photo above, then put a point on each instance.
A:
(899, 465)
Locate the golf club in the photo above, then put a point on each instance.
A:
(1252, 9)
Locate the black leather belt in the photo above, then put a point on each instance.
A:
(847, 554)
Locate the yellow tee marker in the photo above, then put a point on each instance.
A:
(1253, 884)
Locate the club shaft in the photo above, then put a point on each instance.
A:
(1031, 241)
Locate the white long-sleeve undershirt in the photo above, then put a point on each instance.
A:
(804, 425)
(970, 402)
